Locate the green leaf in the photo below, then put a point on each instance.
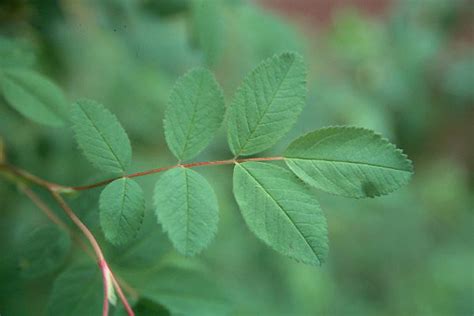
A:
(34, 96)
(349, 161)
(43, 251)
(186, 207)
(100, 136)
(77, 291)
(122, 207)
(281, 211)
(207, 28)
(145, 250)
(184, 292)
(267, 104)
(16, 53)
(194, 114)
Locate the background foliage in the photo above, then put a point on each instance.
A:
(407, 74)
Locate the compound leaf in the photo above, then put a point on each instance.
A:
(194, 113)
(349, 161)
(43, 250)
(186, 207)
(100, 136)
(34, 96)
(281, 211)
(267, 104)
(77, 291)
(122, 207)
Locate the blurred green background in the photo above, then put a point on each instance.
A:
(404, 69)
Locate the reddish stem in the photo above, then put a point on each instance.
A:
(157, 170)
(100, 256)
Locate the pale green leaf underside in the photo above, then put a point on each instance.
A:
(100, 136)
(34, 96)
(194, 113)
(267, 104)
(186, 207)
(122, 207)
(43, 251)
(281, 211)
(77, 291)
(349, 161)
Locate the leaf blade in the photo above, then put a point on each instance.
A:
(194, 114)
(43, 251)
(267, 104)
(280, 211)
(186, 207)
(122, 208)
(349, 161)
(76, 292)
(100, 136)
(34, 96)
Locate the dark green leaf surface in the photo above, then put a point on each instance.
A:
(122, 207)
(185, 292)
(34, 96)
(267, 104)
(100, 136)
(43, 251)
(186, 206)
(281, 211)
(194, 113)
(77, 291)
(349, 161)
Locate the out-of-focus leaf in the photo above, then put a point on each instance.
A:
(77, 291)
(34, 96)
(207, 28)
(184, 292)
(14, 53)
(43, 251)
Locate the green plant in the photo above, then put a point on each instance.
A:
(274, 193)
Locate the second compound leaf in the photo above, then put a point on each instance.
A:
(122, 207)
(186, 207)
(281, 211)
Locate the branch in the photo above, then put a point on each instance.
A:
(104, 268)
(157, 170)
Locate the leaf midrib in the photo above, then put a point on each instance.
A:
(195, 110)
(350, 162)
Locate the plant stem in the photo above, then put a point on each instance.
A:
(20, 175)
(157, 170)
(104, 268)
(50, 214)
